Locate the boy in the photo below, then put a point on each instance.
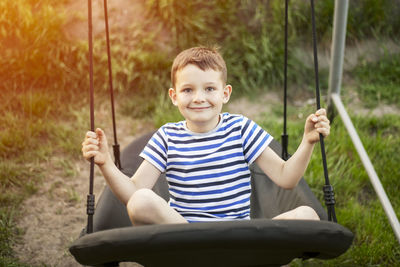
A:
(205, 157)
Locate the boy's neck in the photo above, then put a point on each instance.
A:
(203, 127)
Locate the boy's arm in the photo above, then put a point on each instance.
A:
(288, 173)
(95, 145)
(123, 186)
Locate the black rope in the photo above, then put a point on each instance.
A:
(328, 189)
(116, 145)
(90, 197)
(285, 137)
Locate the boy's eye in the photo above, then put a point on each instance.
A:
(186, 90)
(210, 89)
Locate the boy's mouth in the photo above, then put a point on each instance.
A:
(199, 108)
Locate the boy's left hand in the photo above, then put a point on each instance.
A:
(315, 124)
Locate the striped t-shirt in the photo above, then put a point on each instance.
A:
(208, 173)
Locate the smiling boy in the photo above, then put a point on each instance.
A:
(199, 96)
(206, 158)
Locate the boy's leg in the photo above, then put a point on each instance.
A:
(300, 213)
(146, 207)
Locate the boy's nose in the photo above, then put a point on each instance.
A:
(199, 96)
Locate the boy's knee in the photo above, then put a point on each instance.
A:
(306, 213)
(140, 204)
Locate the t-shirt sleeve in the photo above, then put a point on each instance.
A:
(255, 140)
(155, 151)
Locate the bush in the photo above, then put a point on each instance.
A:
(35, 53)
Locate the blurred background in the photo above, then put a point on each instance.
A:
(44, 104)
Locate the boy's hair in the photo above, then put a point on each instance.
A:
(203, 57)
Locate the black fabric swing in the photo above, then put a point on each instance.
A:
(257, 242)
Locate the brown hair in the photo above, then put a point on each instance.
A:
(203, 57)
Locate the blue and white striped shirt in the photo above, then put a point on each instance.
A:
(208, 173)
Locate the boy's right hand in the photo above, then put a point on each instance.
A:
(95, 145)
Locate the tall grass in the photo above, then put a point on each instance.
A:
(366, 19)
(379, 82)
(34, 51)
(250, 33)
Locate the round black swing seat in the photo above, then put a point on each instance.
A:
(256, 242)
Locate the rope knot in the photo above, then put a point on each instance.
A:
(90, 205)
(329, 195)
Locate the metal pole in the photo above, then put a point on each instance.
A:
(376, 183)
(335, 80)
(338, 45)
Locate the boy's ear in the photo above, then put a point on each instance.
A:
(172, 95)
(227, 93)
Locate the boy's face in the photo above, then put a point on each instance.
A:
(199, 96)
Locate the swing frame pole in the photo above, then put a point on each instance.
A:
(335, 78)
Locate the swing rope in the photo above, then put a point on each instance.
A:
(285, 137)
(329, 195)
(116, 148)
(328, 188)
(90, 196)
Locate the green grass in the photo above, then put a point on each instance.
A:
(165, 112)
(379, 82)
(357, 207)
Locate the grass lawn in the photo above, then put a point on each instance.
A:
(357, 205)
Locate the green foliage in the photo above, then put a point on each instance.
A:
(165, 112)
(139, 74)
(249, 34)
(6, 238)
(143, 70)
(34, 51)
(186, 20)
(300, 11)
(366, 18)
(369, 17)
(379, 82)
